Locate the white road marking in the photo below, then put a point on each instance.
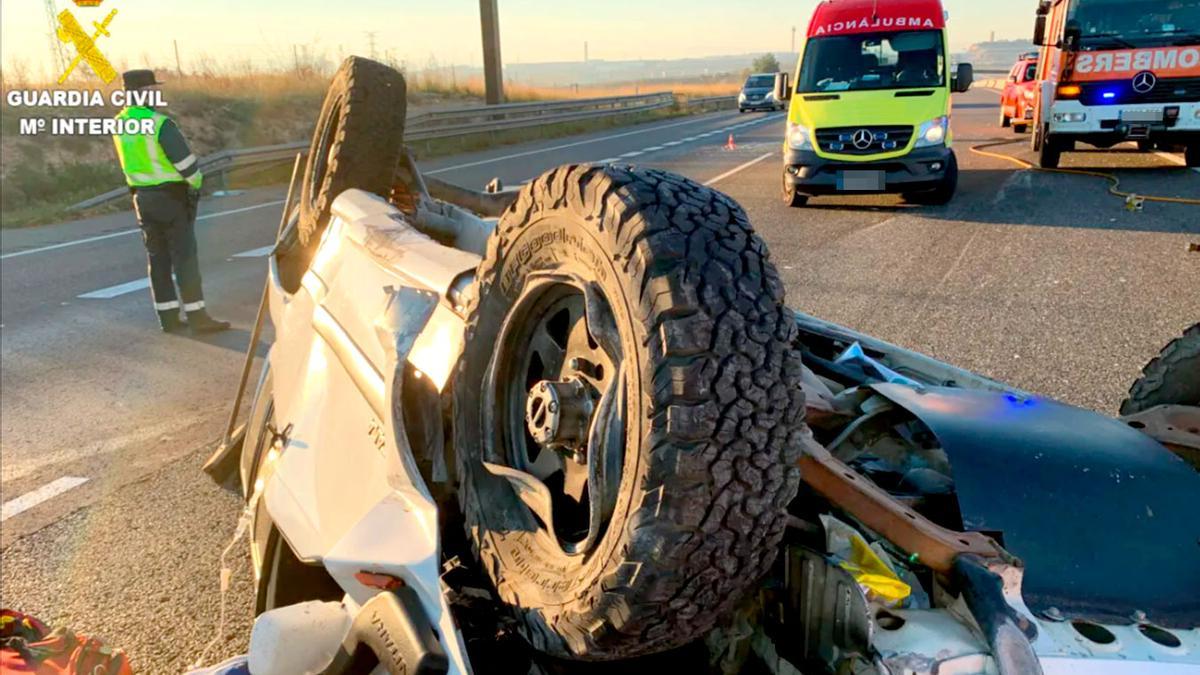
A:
(738, 169)
(653, 148)
(261, 252)
(671, 144)
(88, 240)
(635, 153)
(119, 289)
(689, 139)
(29, 500)
(610, 160)
(564, 146)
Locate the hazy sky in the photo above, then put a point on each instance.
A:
(264, 31)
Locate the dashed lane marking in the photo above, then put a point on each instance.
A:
(135, 230)
(564, 146)
(260, 252)
(48, 491)
(119, 289)
(635, 153)
(738, 169)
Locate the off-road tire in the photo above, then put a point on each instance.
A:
(1171, 378)
(358, 141)
(712, 427)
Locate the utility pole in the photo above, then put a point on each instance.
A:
(371, 41)
(493, 69)
(793, 39)
(178, 64)
(58, 60)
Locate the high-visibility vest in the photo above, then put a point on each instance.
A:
(142, 158)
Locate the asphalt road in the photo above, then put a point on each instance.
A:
(1041, 280)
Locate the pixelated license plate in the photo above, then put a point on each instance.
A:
(861, 180)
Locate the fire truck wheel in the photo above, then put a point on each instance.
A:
(1171, 378)
(1050, 152)
(358, 141)
(627, 411)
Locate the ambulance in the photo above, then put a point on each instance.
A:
(870, 103)
(1118, 70)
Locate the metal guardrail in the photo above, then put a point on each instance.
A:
(458, 122)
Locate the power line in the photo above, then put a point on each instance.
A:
(58, 59)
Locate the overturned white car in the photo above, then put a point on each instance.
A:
(590, 435)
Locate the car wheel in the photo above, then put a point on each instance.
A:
(1171, 378)
(358, 141)
(1005, 120)
(1191, 155)
(627, 411)
(1020, 128)
(943, 193)
(742, 110)
(790, 196)
(1145, 145)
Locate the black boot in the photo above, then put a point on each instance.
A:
(170, 322)
(201, 323)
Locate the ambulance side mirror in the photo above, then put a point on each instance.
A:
(963, 78)
(782, 90)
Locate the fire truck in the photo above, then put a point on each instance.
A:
(1113, 71)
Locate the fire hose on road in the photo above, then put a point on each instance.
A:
(1114, 182)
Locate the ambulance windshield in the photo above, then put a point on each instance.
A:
(1121, 24)
(868, 61)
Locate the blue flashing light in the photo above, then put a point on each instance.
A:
(1109, 95)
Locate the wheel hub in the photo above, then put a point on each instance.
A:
(558, 413)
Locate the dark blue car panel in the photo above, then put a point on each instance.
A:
(1104, 517)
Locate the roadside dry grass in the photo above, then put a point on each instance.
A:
(40, 176)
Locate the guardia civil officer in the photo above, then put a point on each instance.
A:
(165, 182)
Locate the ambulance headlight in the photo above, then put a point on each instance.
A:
(798, 137)
(933, 132)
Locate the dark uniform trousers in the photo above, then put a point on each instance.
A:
(167, 216)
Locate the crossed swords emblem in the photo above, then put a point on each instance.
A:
(71, 32)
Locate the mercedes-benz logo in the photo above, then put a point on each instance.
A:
(863, 138)
(1144, 81)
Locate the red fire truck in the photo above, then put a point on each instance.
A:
(1118, 70)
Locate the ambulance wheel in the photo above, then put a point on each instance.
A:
(791, 197)
(627, 411)
(1191, 155)
(358, 141)
(943, 193)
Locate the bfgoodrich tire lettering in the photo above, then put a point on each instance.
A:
(713, 418)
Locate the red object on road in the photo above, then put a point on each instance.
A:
(1019, 98)
(730, 145)
(29, 646)
(845, 17)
